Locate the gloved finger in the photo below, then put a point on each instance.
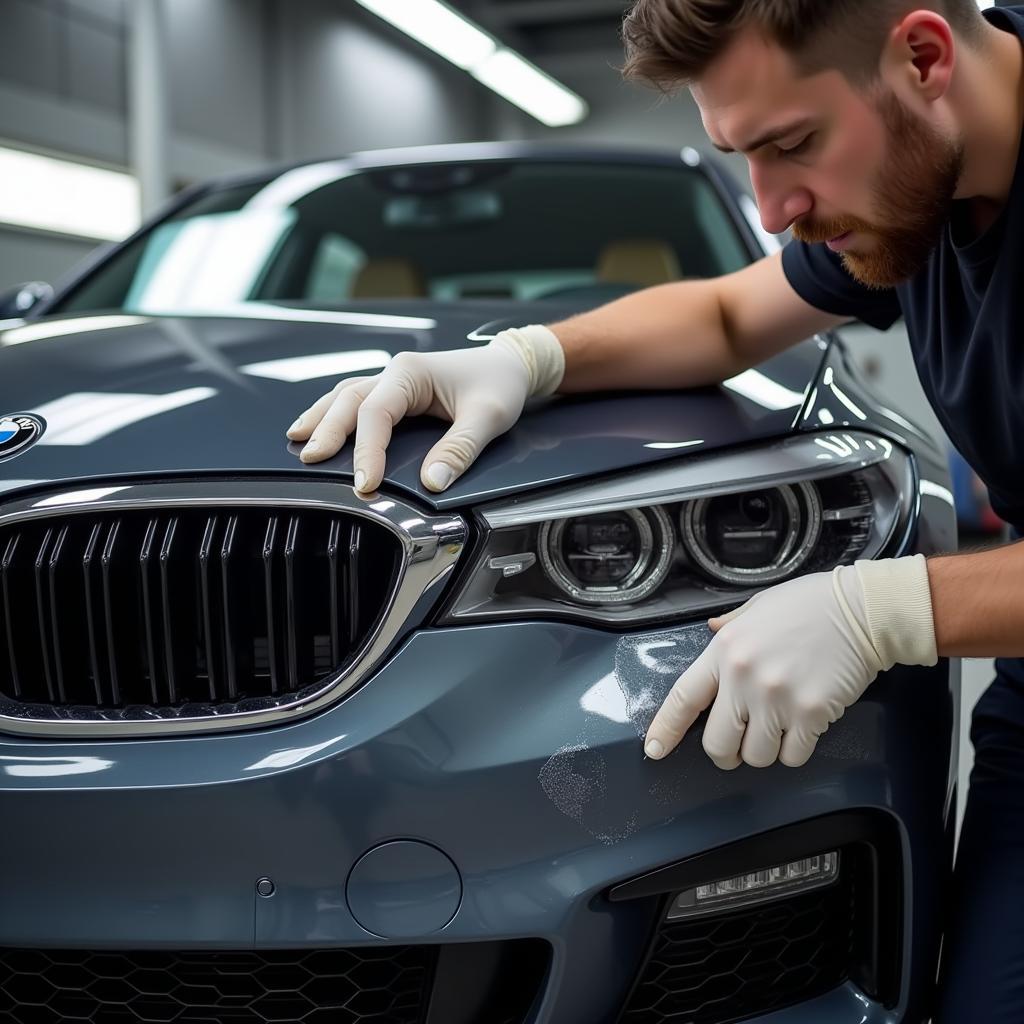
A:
(723, 733)
(693, 691)
(762, 740)
(389, 402)
(798, 744)
(718, 621)
(474, 428)
(306, 421)
(336, 424)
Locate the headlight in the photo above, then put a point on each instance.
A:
(610, 558)
(753, 537)
(690, 537)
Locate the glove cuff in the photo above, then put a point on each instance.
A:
(898, 606)
(542, 353)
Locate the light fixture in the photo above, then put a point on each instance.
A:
(525, 85)
(446, 32)
(70, 198)
(798, 876)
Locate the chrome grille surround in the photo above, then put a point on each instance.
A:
(430, 547)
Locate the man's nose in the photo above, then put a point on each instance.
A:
(780, 205)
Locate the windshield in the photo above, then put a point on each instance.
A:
(326, 235)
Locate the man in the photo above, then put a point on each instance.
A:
(887, 135)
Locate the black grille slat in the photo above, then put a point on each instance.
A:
(269, 550)
(109, 602)
(6, 572)
(290, 595)
(352, 571)
(185, 610)
(90, 560)
(228, 612)
(149, 588)
(207, 587)
(167, 604)
(55, 630)
(333, 544)
(42, 602)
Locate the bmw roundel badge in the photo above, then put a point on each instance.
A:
(18, 432)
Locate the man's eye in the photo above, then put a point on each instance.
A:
(799, 148)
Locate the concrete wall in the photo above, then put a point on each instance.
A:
(252, 83)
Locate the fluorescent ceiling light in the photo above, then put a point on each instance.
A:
(67, 197)
(445, 31)
(529, 88)
(437, 26)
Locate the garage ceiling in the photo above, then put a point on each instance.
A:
(541, 28)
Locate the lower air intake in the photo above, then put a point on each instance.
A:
(730, 966)
(458, 983)
(335, 986)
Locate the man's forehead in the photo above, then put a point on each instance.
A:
(752, 87)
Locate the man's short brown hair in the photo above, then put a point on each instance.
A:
(670, 43)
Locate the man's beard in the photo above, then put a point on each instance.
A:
(913, 194)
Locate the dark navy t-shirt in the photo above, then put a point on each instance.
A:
(965, 317)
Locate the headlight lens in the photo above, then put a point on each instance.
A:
(609, 558)
(690, 537)
(753, 537)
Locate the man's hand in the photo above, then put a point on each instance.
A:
(787, 664)
(481, 391)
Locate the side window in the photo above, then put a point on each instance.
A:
(333, 270)
(720, 232)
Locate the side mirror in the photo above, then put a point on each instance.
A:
(17, 301)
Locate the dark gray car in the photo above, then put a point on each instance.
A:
(272, 751)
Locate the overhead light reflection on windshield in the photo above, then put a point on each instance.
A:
(207, 260)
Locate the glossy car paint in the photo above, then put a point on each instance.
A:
(460, 739)
(222, 409)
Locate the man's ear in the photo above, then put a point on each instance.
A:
(918, 57)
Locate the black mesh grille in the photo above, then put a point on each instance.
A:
(337, 986)
(730, 966)
(185, 610)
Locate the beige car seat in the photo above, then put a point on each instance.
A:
(388, 279)
(643, 262)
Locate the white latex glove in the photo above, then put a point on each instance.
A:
(481, 391)
(787, 664)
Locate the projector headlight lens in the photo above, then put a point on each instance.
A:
(753, 537)
(610, 558)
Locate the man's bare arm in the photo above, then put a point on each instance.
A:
(687, 333)
(978, 602)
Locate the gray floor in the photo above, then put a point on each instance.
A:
(977, 674)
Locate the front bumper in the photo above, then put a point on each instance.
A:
(514, 750)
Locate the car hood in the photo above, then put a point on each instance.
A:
(144, 396)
